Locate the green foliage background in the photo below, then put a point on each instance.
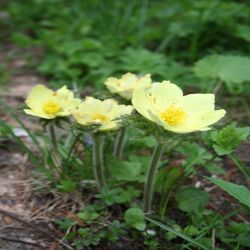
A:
(87, 41)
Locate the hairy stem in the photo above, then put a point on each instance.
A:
(56, 155)
(73, 144)
(149, 184)
(119, 143)
(98, 164)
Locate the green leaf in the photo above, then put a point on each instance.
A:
(180, 234)
(88, 215)
(190, 199)
(239, 192)
(227, 68)
(22, 39)
(170, 235)
(84, 232)
(244, 240)
(144, 160)
(67, 186)
(239, 228)
(167, 178)
(125, 170)
(226, 140)
(191, 230)
(134, 217)
(65, 224)
(195, 155)
(193, 152)
(243, 31)
(143, 61)
(118, 195)
(93, 59)
(213, 168)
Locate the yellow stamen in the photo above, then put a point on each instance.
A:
(51, 108)
(99, 118)
(173, 115)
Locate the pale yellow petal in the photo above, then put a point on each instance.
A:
(104, 113)
(165, 94)
(143, 104)
(128, 80)
(37, 114)
(108, 105)
(64, 93)
(111, 125)
(112, 84)
(198, 122)
(127, 94)
(91, 105)
(67, 101)
(80, 118)
(209, 118)
(68, 105)
(126, 85)
(197, 103)
(38, 95)
(119, 110)
(144, 81)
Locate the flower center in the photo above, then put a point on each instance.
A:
(99, 118)
(51, 107)
(173, 115)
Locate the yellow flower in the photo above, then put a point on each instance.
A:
(48, 104)
(126, 85)
(165, 104)
(105, 113)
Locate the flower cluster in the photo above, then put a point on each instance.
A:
(48, 104)
(127, 84)
(162, 103)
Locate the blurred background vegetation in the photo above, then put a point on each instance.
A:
(197, 44)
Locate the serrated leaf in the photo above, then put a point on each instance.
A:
(134, 217)
(228, 68)
(143, 61)
(226, 140)
(239, 192)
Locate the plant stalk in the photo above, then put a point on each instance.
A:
(98, 163)
(241, 166)
(72, 147)
(56, 155)
(149, 184)
(119, 143)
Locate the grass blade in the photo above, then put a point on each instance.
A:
(8, 130)
(182, 235)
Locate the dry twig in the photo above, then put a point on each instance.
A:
(17, 218)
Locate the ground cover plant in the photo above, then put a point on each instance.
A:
(137, 133)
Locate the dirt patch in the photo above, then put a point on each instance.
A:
(21, 226)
